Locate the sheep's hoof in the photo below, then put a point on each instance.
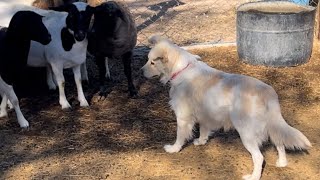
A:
(110, 79)
(3, 114)
(84, 104)
(103, 93)
(133, 93)
(86, 82)
(65, 106)
(24, 124)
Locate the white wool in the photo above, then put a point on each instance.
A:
(81, 6)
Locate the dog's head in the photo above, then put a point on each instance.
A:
(165, 58)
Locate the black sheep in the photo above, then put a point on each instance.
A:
(113, 36)
(14, 48)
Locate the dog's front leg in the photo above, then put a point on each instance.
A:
(204, 135)
(184, 132)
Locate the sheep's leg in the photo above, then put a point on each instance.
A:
(126, 59)
(107, 75)
(3, 106)
(84, 72)
(100, 61)
(10, 105)
(9, 93)
(58, 72)
(51, 84)
(77, 78)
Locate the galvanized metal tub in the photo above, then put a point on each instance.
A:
(275, 33)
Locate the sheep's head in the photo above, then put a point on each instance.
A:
(106, 15)
(78, 19)
(30, 23)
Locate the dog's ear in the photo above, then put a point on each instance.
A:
(197, 57)
(155, 39)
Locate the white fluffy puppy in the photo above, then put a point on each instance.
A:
(215, 99)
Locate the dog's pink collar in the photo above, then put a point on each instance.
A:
(177, 73)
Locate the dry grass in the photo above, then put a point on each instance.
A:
(121, 138)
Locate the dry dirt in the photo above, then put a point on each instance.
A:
(123, 138)
(186, 21)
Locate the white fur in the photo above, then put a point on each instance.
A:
(108, 75)
(7, 93)
(80, 6)
(214, 99)
(53, 56)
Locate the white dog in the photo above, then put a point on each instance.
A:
(215, 99)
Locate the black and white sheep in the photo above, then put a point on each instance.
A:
(67, 48)
(14, 48)
(113, 36)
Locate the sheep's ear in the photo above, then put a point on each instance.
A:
(98, 8)
(90, 9)
(120, 15)
(67, 39)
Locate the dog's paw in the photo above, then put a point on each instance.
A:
(172, 148)
(250, 177)
(198, 141)
(281, 163)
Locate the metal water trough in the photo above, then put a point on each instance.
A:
(275, 33)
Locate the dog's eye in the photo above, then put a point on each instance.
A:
(152, 63)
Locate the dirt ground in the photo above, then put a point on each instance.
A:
(123, 138)
(186, 21)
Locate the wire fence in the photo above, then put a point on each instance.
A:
(189, 22)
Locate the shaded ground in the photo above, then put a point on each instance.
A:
(121, 138)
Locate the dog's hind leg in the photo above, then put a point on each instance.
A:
(184, 132)
(204, 136)
(282, 161)
(253, 147)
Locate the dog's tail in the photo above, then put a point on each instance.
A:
(155, 39)
(281, 133)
